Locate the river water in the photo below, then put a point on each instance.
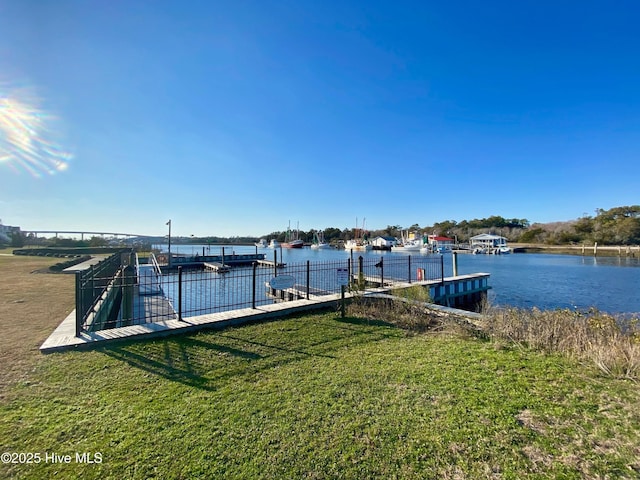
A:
(546, 281)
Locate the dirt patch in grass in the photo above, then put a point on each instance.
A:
(32, 305)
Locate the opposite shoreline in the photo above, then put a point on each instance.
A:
(587, 250)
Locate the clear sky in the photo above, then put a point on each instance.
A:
(236, 117)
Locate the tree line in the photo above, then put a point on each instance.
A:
(616, 226)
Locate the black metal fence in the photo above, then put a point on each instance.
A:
(187, 292)
(93, 283)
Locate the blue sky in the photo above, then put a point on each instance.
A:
(236, 117)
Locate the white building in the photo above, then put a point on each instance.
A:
(486, 240)
(383, 242)
(6, 232)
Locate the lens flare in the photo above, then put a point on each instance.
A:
(28, 136)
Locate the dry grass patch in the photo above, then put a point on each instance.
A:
(612, 344)
(32, 304)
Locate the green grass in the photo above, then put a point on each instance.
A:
(321, 397)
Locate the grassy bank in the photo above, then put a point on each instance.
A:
(319, 397)
(602, 250)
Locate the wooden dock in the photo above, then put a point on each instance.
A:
(450, 291)
(271, 263)
(217, 267)
(297, 292)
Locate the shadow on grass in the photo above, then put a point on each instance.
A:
(208, 359)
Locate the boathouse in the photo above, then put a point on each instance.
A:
(486, 240)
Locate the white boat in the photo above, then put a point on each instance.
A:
(262, 243)
(274, 243)
(409, 246)
(318, 242)
(357, 245)
(427, 248)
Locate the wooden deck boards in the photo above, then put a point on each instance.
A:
(63, 337)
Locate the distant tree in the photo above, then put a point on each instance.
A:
(392, 231)
(533, 235)
(17, 239)
(97, 242)
(332, 234)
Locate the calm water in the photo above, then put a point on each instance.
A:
(611, 284)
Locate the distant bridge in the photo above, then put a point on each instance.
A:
(82, 233)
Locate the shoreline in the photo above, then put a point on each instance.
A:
(586, 250)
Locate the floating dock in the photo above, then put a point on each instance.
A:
(216, 267)
(201, 261)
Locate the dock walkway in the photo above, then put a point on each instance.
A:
(63, 337)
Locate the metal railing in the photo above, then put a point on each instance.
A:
(187, 292)
(92, 285)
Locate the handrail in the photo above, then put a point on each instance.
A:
(154, 261)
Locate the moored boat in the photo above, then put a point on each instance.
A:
(318, 241)
(409, 246)
(357, 245)
(291, 238)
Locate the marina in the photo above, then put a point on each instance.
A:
(526, 280)
(202, 290)
(130, 298)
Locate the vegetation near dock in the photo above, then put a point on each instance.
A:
(394, 390)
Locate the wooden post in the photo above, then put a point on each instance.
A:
(595, 249)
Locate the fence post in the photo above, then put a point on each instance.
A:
(253, 293)
(381, 272)
(79, 303)
(442, 269)
(409, 268)
(454, 258)
(308, 277)
(360, 273)
(128, 280)
(275, 262)
(180, 292)
(92, 275)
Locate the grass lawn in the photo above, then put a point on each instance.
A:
(316, 397)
